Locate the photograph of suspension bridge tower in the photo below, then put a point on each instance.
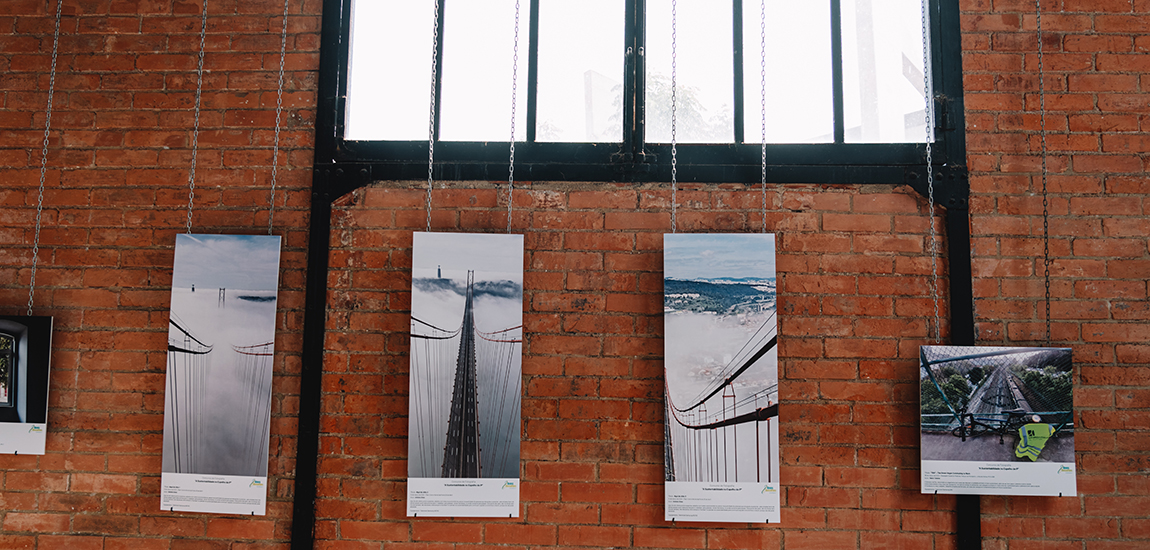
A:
(465, 377)
(721, 371)
(217, 398)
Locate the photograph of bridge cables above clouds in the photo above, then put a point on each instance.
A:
(465, 378)
(997, 420)
(721, 368)
(217, 398)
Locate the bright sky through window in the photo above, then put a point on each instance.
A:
(798, 69)
(389, 81)
(581, 71)
(882, 71)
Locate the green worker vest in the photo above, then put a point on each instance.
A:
(1032, 439)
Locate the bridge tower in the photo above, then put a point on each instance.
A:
(461, 452)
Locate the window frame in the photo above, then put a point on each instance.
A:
(636, 161)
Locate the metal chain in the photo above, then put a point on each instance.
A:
(279, 112)
(674, 106)
(763, 99)
(928, 109)
(431, 117)
(514, 90)
(1045, 198)
(196, 124)
(44, 158)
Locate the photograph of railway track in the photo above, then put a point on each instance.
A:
(997, 404)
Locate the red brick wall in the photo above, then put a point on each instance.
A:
(854, 291)
(1096, 57)
(116, 193)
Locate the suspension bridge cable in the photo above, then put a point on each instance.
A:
(737, 364)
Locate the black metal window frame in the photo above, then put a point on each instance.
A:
(633, 160)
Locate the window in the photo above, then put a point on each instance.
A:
(845, 85)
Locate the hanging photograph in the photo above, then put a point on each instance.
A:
(997, 420)
(465, 377)
(25, 353)
(217, 398)
(721, 367)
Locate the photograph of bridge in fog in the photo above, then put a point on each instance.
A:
(221, 335)
(721, 362)
(465, 377)
(983, 403)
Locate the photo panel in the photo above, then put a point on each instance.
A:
(465, 378)
(25, 357)
(217, 400)
(721, 366)
(997, 420)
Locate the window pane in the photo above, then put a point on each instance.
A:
(478, 48)
(799, 103)
(704, 80)
(390, 45)
(883, 99)
(580, 71)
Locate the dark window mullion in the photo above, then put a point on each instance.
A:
(634, 80)
(837, 69)
(532, 70)
(737, 39)
(439, 71)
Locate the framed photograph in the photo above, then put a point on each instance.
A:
(997, 420)
(720, 321)
(217, 402)
(25, 358)
(465, 382)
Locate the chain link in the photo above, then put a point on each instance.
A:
(279, 112)
(196, 124)
(431, 117)
(763, 100)
(674, 106)
(514, 90)
(44, 158)
(1045, 171)
(928, 109)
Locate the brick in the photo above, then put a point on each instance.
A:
(810, 540)
(446, 532)
(34, 522)
(596, 492)
(646, 537)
